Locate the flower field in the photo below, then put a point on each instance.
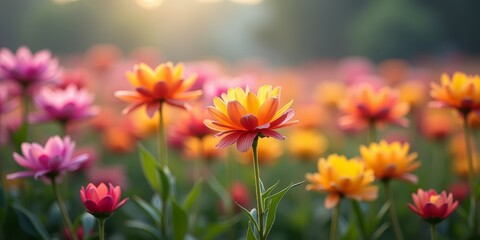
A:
(109, 143)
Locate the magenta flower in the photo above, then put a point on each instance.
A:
(49, 162)
(63, 105)
(7, 101)
(433, 207)
(101, 201)
(26, 68)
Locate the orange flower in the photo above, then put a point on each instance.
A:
(461, 92)
(241, 115)
(269, 151)
(307, 144)
(390, 160)
(339, 176)
(153, 87)
(366, 104)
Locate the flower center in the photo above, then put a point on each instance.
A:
(433, 199)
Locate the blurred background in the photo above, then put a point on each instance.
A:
(277, 31)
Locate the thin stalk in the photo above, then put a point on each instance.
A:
(162, 142)
(471, 175)
(334, 223)
(433, 232)
(101, 228)
(393, 212)
(63, 210)
(25, 109)
(360, 218)
(256, 171)
(372, 131)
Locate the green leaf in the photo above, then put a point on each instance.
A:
(262, 187)
(267, 193)
(250, 234)
(251, 216)
(192, 195)
(383, 211)
(221, 192)
(179, 221)
(135, 224)
(166, 181)
(272, 210)
(148, 209)
(30, 222)
(20, 136)
(378, 233)
(88, 222)
(149, 168)
(216, 229)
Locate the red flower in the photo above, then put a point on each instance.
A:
(101, 201)
(433, 207)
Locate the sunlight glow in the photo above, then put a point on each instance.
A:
(247, 2)
(149, 4)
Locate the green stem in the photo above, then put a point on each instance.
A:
(360, 218)
(25, 110)
(162, 142)
(372, 131)
(334, 223)
(63, 210)
(393, 213)
(256, 171)
(101, 228)
(433, 232)
(471, 175)
(202, 158)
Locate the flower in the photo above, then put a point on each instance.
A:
(461, 92)
(329, 93)
(339, 176)
(390, 160)
(7, 101)
(307, 144)
(436, 124)
(197, 148)
(432, 207)
(269, 150)
(366, 104)
(101, 201)
(27, 69)
(49, 162)
(241, 115)
(153, 87)
(63, 105)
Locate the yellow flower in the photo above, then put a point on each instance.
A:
(329, 93)
(366, 104)
(461, 92)
(412, 92)
(269, 151)
(390, 160)
(241, 115)
(307, 144)
(460, 165)
(153, 87)
(208, 152)
(339, 176)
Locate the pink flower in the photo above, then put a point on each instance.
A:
(63, 105)
(49, 162)
(26, 68)
(433, 207)
(7, 101)
(101, 201)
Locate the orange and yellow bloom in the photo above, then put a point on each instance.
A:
(390, 160)
(153, 87)
(339, 176)
(365, 105)
(241, 115)
(461, 92)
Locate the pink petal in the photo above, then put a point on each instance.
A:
(249, 122)
(91, 206)
(245, 141)
(106, 204)
(120, 204)
(270, 133)
(229, 139)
